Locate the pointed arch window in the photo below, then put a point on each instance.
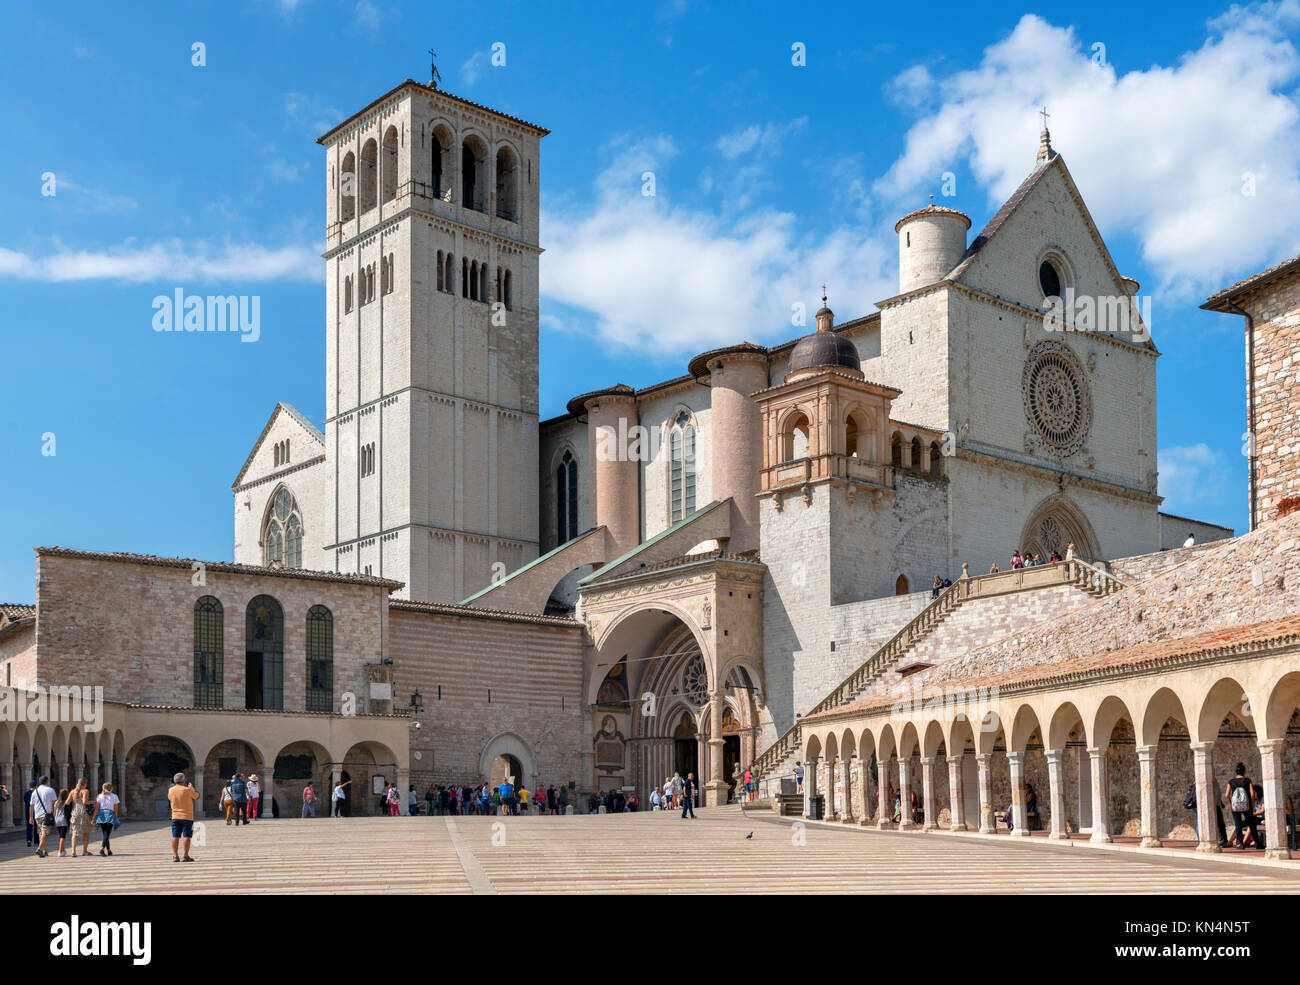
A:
(264, 649)
(282, 533)
(320, 659)
(566, 488)
(682, 468)
(208, 653)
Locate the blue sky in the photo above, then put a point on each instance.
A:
(771, 178)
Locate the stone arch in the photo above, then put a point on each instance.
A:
(507, 182)
(389, 165)
(812, 748)
(1283, 700)
(896, 449)
(1023, 725)
(796, 434)
(1159, 708)
(151, 762)
(1108, 714)
(933, 739)
(1055, 522)
(848, 743)
(473, 171)
(368, 176)
(859, 434)
(348, 188)
(442, 158)
(1064, 722)
(1226, 695)
(507, 743)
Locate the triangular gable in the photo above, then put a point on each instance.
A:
(1054, 163)
(312, 431)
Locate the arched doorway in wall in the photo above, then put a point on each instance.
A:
(686, 746)
(505, 769)
(1056, 523)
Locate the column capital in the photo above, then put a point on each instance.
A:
(984, 759)
(1097, 753)
(1147, 752)
(1053, 756)
(1016, 758)
(1271, 745)
(1202, 748)
(927, 760)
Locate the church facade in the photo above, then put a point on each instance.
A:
(662, 579)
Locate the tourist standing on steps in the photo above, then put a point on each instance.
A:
(309, 800)
(40, 811)
(80, 816)
(688, 795)
(339, 797)
(182, 795)
(106, 818)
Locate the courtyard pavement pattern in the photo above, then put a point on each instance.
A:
(629, 853)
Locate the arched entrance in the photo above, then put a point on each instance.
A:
(507, 750)
(1056, 523)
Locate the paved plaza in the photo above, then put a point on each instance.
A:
(630, 853)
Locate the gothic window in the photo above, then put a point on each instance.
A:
(436, 161)
(794, 438)
(507, 298)
(441, 279)
(369, 176)
(473, 280)
(695, 680)
(449, 276)
(471, 177)
(464, 277)
(682, 468)
(391, 273)
(347, 294)
(383, 275)
(390, 164)
(498, 294)
(208, 646)
(482, 282)
(613, 689)
(367, 461)
(507, 179)
(282, 533)
(348, 188)
(566, 498)
(320, 659)
(1049, 279)
(264, 647)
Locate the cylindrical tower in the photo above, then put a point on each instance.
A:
(615, 474)
(736, 432)
(931, 242)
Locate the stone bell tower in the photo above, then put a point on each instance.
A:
(431, 342)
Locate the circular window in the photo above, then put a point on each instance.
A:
(1049, 279)
(696, 680)
(1056, 396)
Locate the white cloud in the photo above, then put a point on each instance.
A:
(1189, 474)
(473, 67)
(311, 113)
(646, 274)
(368, 16)
(1159, 152)
(170, 260)
(767, 138)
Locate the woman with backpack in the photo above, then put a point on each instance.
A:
(1240, 795)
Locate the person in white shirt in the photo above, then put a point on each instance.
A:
(254, 798)
(340, 797)
(107, 817)
(40, 813)
(1190, 541)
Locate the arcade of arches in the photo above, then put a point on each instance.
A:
(1112, 757)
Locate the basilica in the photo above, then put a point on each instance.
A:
(762, 562)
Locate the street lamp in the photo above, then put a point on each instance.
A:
(417, 702)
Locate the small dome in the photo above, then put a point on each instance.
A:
(823, 347)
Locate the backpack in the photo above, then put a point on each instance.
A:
(1240, 799)
(1189, 802)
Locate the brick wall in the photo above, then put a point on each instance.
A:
(533, 670)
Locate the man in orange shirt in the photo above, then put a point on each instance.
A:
(182, 796)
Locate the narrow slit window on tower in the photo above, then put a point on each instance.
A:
(441, 280)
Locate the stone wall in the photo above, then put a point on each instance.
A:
(1276, 313)
(482, 676)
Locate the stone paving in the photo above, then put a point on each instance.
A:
(631, 853)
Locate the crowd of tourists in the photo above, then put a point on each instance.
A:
(73, 813)
(1024, 559)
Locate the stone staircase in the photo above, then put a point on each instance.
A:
(779, 758)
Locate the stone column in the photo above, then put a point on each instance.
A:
(716, 788)
(119, 787)
(403, 781)
(809, 783)
(848, 792)
(927, 795)
(586, 768)
(1100, 798)
(7, 779)
(985, 763)
(1270, 760)
(1150, 801)
(957, 804)
(63, 775)
(1019, 815)
(864, 784)
(830, 788)
(94, 778)
(882, 795)
(1056, 781)
(1207, 797)
(268, 792)
(905, 795)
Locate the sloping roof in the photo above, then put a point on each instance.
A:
(422, 87)
(311, 429)
(477, 612)
(226, 566)
(13, 611)
(1220, 300)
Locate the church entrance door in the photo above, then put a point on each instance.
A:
(686, 754)
(730, 755)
